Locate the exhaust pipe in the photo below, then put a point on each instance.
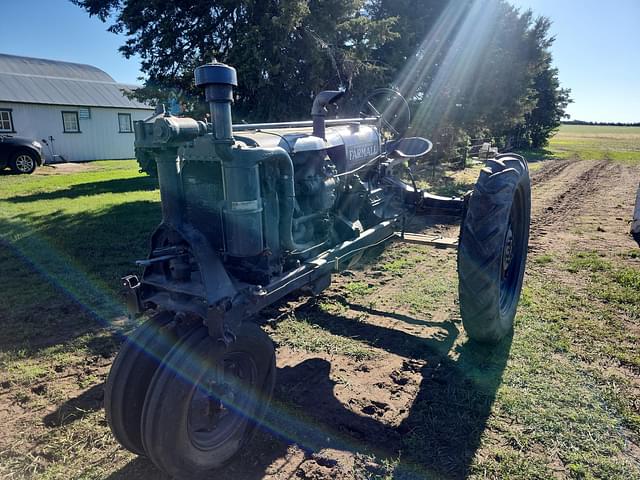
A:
(319, 109)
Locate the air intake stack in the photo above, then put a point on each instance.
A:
(218, 81)
(242, 211)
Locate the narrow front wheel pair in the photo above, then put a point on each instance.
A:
(200, 404)
(205, 401)
(492, 251)
(130, 376)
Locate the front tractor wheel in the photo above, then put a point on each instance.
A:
(206, 400)
(131, 374)
(493, 248)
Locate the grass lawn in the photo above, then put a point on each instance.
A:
(67, 235)
(82, 229)
(558, 399)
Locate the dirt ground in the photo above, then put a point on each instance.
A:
(340, 411)
(64, 168)
(372, 402)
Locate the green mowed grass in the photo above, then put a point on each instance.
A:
(65, 241)
(595, 142)
(82, 230)
(549, 402)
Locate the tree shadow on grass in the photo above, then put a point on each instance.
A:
(61, 272)
(119, 185)
(537, 154)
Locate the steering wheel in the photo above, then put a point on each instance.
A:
(392, 111)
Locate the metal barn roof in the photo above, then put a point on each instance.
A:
(51, 82)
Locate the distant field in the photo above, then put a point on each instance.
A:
(589, 142)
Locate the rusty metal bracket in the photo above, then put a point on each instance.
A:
(215, 321)
(133, 302)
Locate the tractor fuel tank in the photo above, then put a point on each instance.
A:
(360, 144)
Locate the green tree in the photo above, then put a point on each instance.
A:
(285, 51)
(467, 67)
(477, 68)
(548, 98)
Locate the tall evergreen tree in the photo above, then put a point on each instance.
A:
(549, 100)
(284, 50)
(468, 67)
(480, 68)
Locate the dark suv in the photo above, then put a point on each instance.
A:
(21, 154)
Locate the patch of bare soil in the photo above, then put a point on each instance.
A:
(571, 199)
(64, 168)
(28, 415)
(581, 206)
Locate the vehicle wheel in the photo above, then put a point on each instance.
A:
(130, 376)
(493, 248)
(23, 162)
(206, 400)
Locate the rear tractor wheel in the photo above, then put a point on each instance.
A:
(493, 248)
(206, 400)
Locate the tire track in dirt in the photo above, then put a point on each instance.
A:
(549, 171)
(586, 207)
(558, 194)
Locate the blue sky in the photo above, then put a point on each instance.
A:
(596, 47)
(59, 30)
(597, 51)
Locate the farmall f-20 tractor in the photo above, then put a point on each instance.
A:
(252, 213)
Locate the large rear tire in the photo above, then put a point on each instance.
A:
(206, 400)
(130, 376)
(492, 252)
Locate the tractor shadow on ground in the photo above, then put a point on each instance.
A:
(252, 464)
(76, 408)
(120, 185)
(441, 433)
(437, 439)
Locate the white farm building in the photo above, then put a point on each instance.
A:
(79, 110)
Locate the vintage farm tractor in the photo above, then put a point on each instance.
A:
(251, 213)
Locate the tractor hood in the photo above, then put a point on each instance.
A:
(357, 140)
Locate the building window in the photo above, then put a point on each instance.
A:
(6, 121)
(124, 123)
(70, 122)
